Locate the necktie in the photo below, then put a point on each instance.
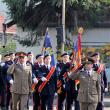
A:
(88, 73)
(48, 67)
(21, 66)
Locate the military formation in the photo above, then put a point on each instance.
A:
(22, 76)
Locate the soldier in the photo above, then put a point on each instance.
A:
(36, 96)
(97, 66)
(61, 90)
(1, 85)
(21, 88)
(72, 92)
(30, 57)
(10, 83)
(30, 61)
(48, 92)
(68, 86)
(12, 57)
(89, 92)
(5, 66)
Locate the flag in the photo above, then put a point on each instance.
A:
(48, 48)
(77, 49)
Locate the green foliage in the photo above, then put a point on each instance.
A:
(10, 47)
(27, 14)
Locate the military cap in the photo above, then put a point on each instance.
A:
(95, 54)
(17, 53)
(11, 53)
(22, 54)
(46, 55)
(29, 53)
(39, 55)
(89, 61)
(64, 54)
(6, 55)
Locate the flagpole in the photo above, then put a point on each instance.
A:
(63, 25)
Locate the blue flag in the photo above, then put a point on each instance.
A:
(76, 45)
(48, 48)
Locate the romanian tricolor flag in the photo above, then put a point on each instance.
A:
(78, 50)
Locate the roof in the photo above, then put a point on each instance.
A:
(10, 30)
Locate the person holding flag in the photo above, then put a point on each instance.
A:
(48, 86)
(47, 75)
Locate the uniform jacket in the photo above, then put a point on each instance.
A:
(69, 83)
(4, 71)
(103, 77)
(90, 89)
(51, 86)
(37, 68)
(1, 80)
(22, 78)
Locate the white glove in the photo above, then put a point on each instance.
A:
(11, 82)
(69, 74)
(43, 79)
(106, 89)
(63, 85)
(56, 94)
(2, 64)
(35, 80)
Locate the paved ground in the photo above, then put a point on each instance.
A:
(106, 108)
(106, 103)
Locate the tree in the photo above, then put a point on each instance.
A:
(28, 13)
(34, 16)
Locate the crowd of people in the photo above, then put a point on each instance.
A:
(22, 76)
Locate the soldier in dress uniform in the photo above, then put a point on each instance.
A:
(61, 90)
(73, 90)
(21, 87)
(89, 92)
(12, 57)
(48, 92)
(38, 65)
(96, 66)
(1, 84)
(5, 66)
(30, 61)
(68, 85)
(10, 83)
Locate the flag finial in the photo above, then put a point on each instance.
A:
(80, 30)
(47, 29)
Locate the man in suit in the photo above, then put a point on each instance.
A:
(90, 89)
(96, 66)
(48, 92)
(38, 65)
(21, 88)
